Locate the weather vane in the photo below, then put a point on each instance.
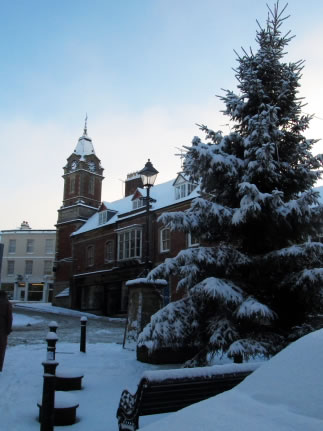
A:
(181, 156)
(85, 125)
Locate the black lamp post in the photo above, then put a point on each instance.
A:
(148, 177)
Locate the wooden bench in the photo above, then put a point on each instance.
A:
(166, 391)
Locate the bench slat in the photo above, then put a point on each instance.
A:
(169, 395)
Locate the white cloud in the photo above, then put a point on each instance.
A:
(35, 154)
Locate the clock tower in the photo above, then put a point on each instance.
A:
(83, 175)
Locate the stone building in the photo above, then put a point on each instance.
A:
(28, 260)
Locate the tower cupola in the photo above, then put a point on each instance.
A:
(83, 174)
(84, 146)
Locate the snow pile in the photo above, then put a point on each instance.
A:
(107, 369)
(284, 394)
(22, 320)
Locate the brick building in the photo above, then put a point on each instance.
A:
(101, 245)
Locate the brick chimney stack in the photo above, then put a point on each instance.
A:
(132, 182)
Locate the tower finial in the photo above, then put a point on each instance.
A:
(85, 125)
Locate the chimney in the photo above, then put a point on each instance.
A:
(132, 182)
(25, 226)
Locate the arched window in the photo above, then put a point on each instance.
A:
(164, 240)
(91, 185)
(108, 253)
(90, 255)
(72, 184)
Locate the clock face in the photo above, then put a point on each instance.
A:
(91, 166)
(74, 165)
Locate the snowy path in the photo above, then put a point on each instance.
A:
(107, 368)
(30, 326)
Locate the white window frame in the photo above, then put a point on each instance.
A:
(48, 267)
(30, 246)
(49, 246)
(12, 246)
(130, 244)
(164, 241)
(103, 217)
(10, 267)
(109, 251)
(192, 241)
(138, 203)
(29, 267)
(184, 189)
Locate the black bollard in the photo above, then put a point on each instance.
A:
(46, 414)
(83, 334)
(53, 326)
(51, 339)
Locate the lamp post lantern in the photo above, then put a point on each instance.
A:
(148, 177)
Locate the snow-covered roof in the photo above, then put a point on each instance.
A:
(84, 146)
(163, 194)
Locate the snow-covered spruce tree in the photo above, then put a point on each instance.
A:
(256, 281)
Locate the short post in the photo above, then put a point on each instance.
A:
(51, 339)
(47, 407)
(83, 334)
(53, 326)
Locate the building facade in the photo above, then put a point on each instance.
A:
(28, 261)
(102, 245)
(83, 175)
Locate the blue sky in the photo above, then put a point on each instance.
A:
(145, 71)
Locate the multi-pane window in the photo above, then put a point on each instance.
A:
(12, 246)
(28, 267)
(30, 246)
(103, 217)
(183, 190)
(129, 244)
(164, 240)
(91, 185)
(48, 265)
(138, 203)
(11, 267)
(193, 240)
(109, 251)
(90, 255)
(49, 246)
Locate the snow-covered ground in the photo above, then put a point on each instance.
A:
(284, 394)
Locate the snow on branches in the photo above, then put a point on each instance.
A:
(255, 281)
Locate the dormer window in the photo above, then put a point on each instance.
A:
(138, 203)
(182, 186)
(183, 190)
(103, 217)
